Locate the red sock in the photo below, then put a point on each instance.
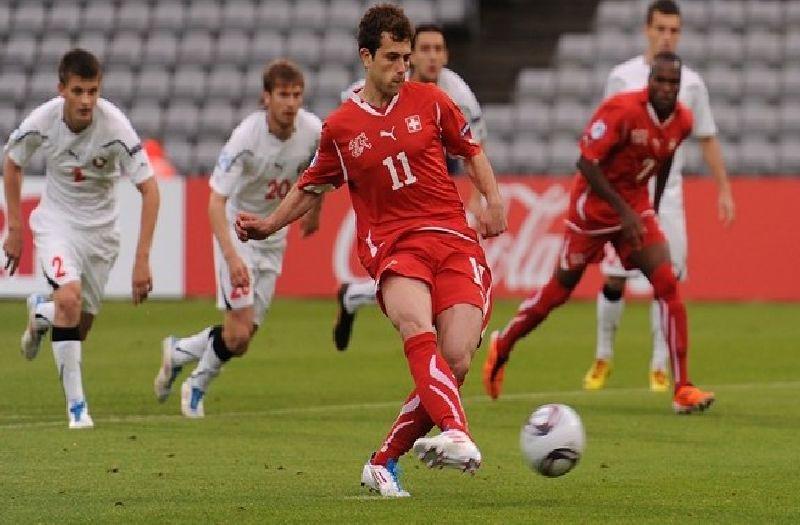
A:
(673, 321)
(412, 424)
(530, 314)
(436, 385)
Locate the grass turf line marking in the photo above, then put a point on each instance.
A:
(133, 418)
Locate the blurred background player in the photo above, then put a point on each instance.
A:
(88, 144)
(387, 143)
(662, 30)
(261, 161)
(631, 137)
(429, 56)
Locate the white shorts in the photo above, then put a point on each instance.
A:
(673, 224)
(67, 255)
(264, 266)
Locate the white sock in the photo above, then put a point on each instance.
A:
(608, 315)
(190, 349)
(207, 369)
(660, 350)
(68, 362)
(46, 310)
(360, 294)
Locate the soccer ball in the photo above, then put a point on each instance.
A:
(552, 440)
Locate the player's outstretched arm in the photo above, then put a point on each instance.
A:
(12, 184)
(712, 153)
(250, 226)
(492, 218)
(632, 227)
(142, 280)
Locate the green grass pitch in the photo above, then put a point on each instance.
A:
(289, 427)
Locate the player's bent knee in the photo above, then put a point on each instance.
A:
(68, 304)
(237, 339)
(460, 366)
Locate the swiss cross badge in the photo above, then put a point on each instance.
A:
(414, 124)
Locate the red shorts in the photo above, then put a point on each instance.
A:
(454, 269)
(580, 249)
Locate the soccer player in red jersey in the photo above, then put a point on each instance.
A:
(387, 143)
(630, 138)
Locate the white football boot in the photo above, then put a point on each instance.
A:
(451, 448)
(78, 415)
(31, 340)
(383, 479)
(192, 401)
(162, 384)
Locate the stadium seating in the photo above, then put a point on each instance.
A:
(745, 51)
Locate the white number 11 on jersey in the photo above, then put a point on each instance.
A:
(396, 182)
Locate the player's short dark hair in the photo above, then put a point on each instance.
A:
(427, 28)
(379, 19)
(665, 7)
(80, 63)
(282, 72)
(666, 56)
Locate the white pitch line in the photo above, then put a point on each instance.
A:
(144, 418)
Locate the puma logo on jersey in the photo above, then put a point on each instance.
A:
(359, 144)
(389, 133)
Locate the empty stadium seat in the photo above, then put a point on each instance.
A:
(225, 83)
(274, 14)
(29, 18)
(757, 156)
(499, 153)
(451, 12)
(727, 14)
(179, 152)
(790, 121)
(616, 17)
(563, 155)
(759, 121)
(146, 118)
(344, 14)
(309, 14)
(723, 82)
(125, 49)
(196, 47)
(118, 86)
(169, 15)
(790, 83)
(694, 16)
(206, 153)
(725, 48)
(535, 84)
(764, 14)
(761, 83)
(791, 14)
(500, 120)
(613, 48)
(527, 155)
(153, 84)
(569, 117)
(232, 48)
(5, 18)
(303, 47)
(727, 118)
(788, 156)
(420, 11)
(763, 47)
(339, 47)
(133, 16)
(52, 48)
(99, 16)
(181, 119)
(43, 86)
(20, 50)
(8, 119)
(161, 49)
(63, 17)
(692, 49)
(324, 105)
(188, 83)
(95, 43)
(331, 80)
(532, 118)
(575, 84)
(576, 49)
(13, 87)
(238, 15)
(266, 46)
(203, 15)
(217, 120)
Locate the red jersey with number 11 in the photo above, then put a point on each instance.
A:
(630, 145)
(394, 165)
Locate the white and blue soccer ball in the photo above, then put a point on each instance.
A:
(552, 440)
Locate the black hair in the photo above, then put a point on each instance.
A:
(427, 28)
(666, 7)
(379, 19)
(80, 63)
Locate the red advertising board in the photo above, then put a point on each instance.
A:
(755, 259)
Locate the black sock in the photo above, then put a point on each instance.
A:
(219, 344)
(612, 294)
(65, 333)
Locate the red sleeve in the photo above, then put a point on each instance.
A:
(326, 170)
(456, 133)
(605, 130)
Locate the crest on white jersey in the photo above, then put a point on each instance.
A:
(99, 162)
(414, 124)
(359, 144)
(597, 130)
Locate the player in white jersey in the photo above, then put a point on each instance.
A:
(662, 29)
(257, 167)
(429, 57)
(88, 144)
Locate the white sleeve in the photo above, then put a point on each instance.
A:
(704, 125)
(133, 159)
(352, 88)
(614, 84)
(231, 162)
(26, 139)
(472, 111)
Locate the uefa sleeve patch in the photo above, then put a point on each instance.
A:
(225, 161)
(597, 130)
